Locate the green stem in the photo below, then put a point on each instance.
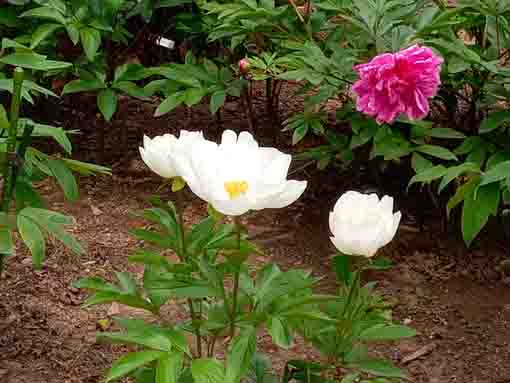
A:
(11, 139)
(498, 38)
(196, 326)
(10, 160)
(180, 220)
(235, 291)
(184, 257)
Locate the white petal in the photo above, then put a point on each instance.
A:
(342, 246)
(332, 222)
(232, 207)
(396, 222)
(247, 139)
(228, 137)
(291, 192)
(386, 205)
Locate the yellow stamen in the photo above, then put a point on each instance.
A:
(236, 188)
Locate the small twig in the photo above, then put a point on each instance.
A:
(299, 15)
(419, 353)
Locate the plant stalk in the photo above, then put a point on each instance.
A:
(196, 326)
(10, 160)
(183, 255)
(237, 273)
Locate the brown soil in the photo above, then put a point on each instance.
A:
(457, 299)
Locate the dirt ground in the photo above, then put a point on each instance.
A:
(457, 299)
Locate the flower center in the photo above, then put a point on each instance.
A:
(236, 188)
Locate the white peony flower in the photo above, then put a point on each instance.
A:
(361, 224)
(158, 153)
(238, 175)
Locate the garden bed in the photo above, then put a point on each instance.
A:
(455, 298)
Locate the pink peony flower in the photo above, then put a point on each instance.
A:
(395, 83)
(244, 66)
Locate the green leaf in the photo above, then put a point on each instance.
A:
(479, 205)
(494, 121)
(387, 333)
(42, 32)
(155, 340)
(299, 133)
(207, 371)
(33, 61)
(456, 171)
(420, 163)
(217, 100)
(169, 368)
(131, 89)
(497, 173)
(341, 264)
(445, 133)
(33, 238)
(53, 223)
(96, 283)
(107, 103)
(91, 40)
(79, 85)
(428, 175)
(5, 241)
(73, 32)
(240, 355)
(193, 96)
(280, 332)
(45, 13)
(64, 177)
(130, 72)
(436, 151)
(122, 298)
(127, 283)
(380, 368)
(130, 362)
(462, 192)
(4, 120)
(58, 134)
(169, 104)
